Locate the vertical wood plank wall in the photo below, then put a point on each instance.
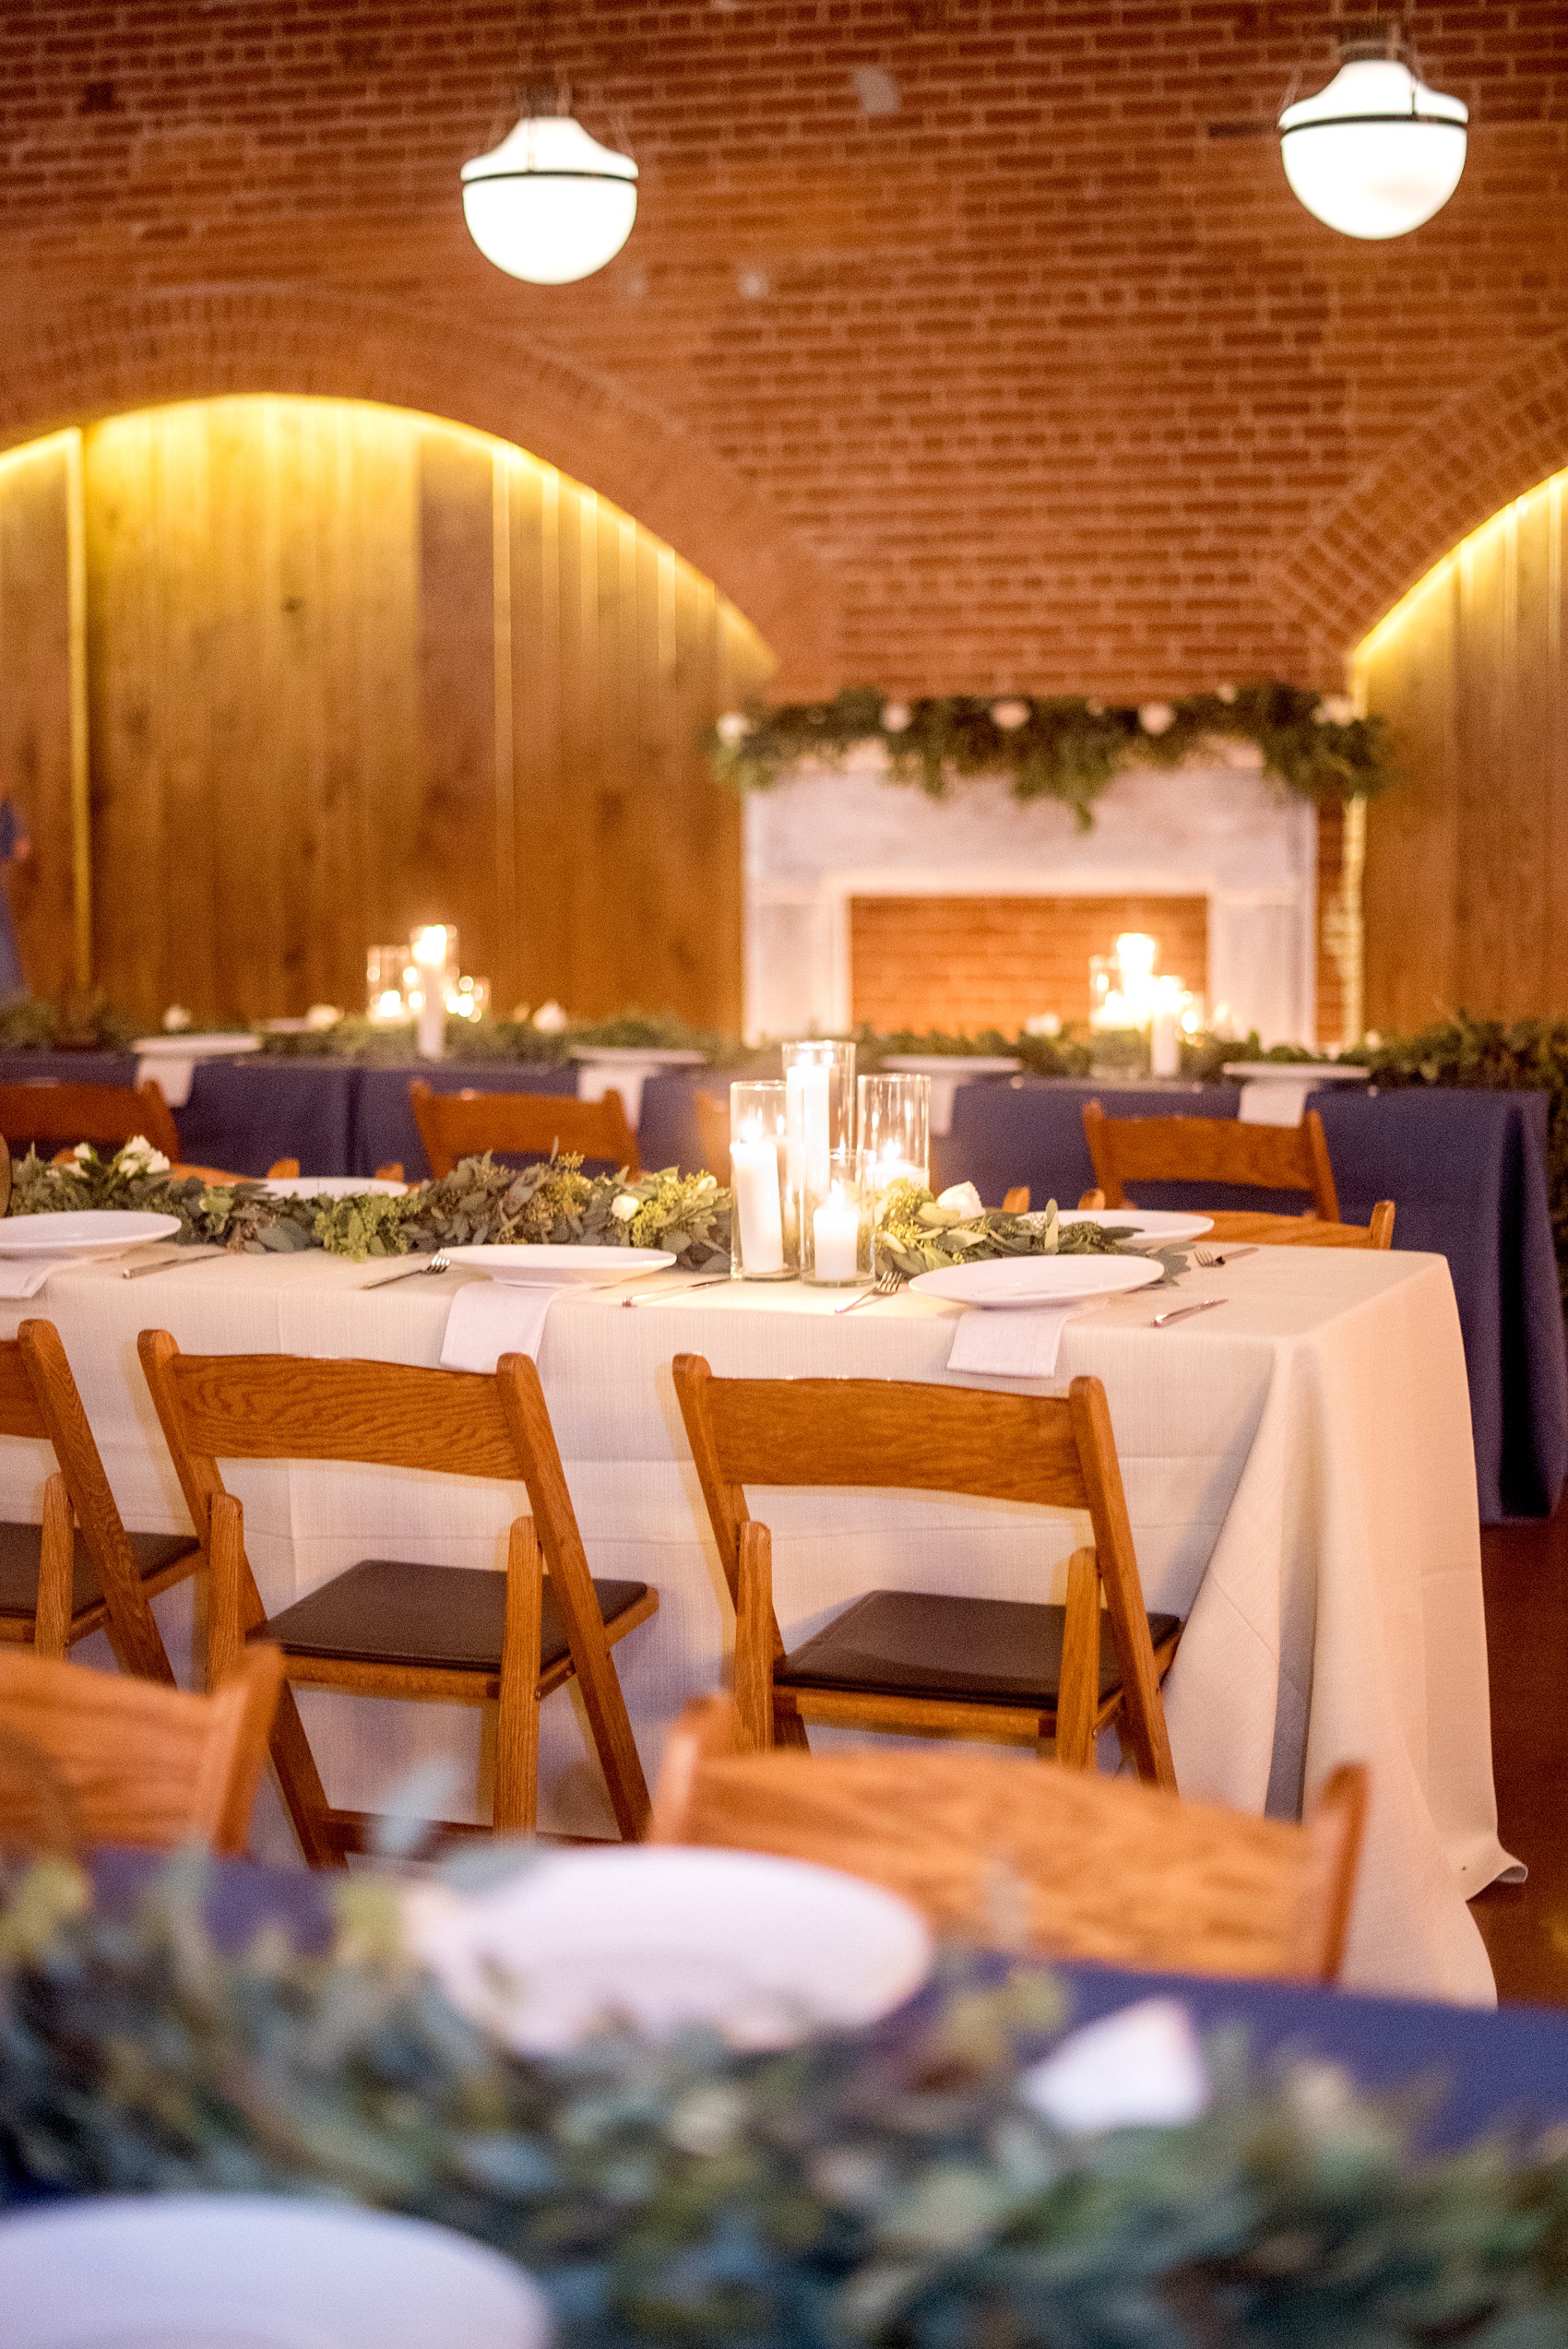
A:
(350, 670)
(38, 489)
(1466, 891)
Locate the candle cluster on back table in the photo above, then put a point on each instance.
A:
(811, 1160)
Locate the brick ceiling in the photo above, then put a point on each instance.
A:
(1037, 382)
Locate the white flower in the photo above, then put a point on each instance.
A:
(1157, 717)
(549, 1018)
(1227, 692)
(963, 1197)
(323, 1014)
(1009, 715)
(733, 728)
(1095, 709)
(1043, 1024)
(177, 1019)
(1334, 709)
(625, 1207)
(83, 1152)
(138, 1157)
(897, 717)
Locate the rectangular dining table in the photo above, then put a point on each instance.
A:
(1297, 1468)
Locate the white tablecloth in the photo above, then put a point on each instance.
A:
(1298, 1469)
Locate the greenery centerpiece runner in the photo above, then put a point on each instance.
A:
(897, 2190)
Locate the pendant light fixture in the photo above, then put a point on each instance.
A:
(549, 204)
(1376, 152)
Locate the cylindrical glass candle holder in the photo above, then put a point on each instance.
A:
(384, 969)
(819, 1081)
(841, 1228)
(764, 1235)
(895, 1131)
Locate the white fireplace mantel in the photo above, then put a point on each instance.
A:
(1220, 831)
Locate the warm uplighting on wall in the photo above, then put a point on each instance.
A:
(1376, 153)
(1440, 578)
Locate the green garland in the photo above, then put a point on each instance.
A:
(1061, 747)
(894, 2189)
(922, 1234)
(478, 1203)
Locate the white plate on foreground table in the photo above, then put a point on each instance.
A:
(87, 1231)
(1020, 1282)
(1154, 1227)
(255, 2272)
(765, 1951)
(529, 1266)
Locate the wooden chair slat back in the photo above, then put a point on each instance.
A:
(1264, 1157)
(96, 1113)
(463, 1126)
(144, 1764)
(387, 1415)
(885, 1432)
(713, 1132)
(1058, 1861)
(19, 1414)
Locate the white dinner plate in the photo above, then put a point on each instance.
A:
(1023, 1281)
(529, 1266)
(764, 1951)
(87, 1231)
(1155, 1227)
(333, 1187)
(255, 2272)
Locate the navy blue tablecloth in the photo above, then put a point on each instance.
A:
(1485, 2070)
(1467, 1171)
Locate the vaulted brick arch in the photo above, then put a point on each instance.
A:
(139, 348)
(1472, 458)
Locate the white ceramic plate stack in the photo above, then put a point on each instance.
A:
(764, 1951)
(86, 1231)
(1024, 1284)
(1149, 1226)
(252, 2271)
(548, 1267)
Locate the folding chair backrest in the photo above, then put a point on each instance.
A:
(713, 1132)
(101, 1114)
(1053, 1451)
(144, 1764)
(463, 1126)
(1218, 1150)
(1058, 1861)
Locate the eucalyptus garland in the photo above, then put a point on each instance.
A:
(478, 1203)
(1061, 747)
(922, 1234)
(897, 2188)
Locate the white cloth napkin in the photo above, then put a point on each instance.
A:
(1014, 1345)
(25, 1276)
(489, 1318)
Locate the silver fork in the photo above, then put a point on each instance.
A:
(889, 1281)
(437, 1263)
(1212, 1258)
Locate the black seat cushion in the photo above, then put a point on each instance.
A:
(915, 1644)
(450, 1618)
(22, 1546)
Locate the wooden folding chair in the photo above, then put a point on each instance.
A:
(1060, 1862)
(462, 1125)
(1260, 1158)
(106, 1115)
(460, 1635)
(713, 1132)
(80, 1571)
(1284, 1232)
(914, 1662)
(147, 1765)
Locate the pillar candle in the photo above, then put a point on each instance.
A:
(837, 1230)
(810, 1142)
(429, 959)
(759, 1221)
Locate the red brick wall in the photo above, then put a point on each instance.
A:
(1031, 383)
(969, 963)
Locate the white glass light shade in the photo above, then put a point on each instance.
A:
(1377, 153)
(549, 204)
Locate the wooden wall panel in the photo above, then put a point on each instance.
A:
(1466, 897)
(350, 669)
(37, 489)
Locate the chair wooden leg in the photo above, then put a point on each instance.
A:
(51, 1618)
(1077, 1698)
(516, 1807)
(225, 1588)
(754, 1639)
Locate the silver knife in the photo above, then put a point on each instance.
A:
(668, 1295)
(176, 1260)
(1179, 1312)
